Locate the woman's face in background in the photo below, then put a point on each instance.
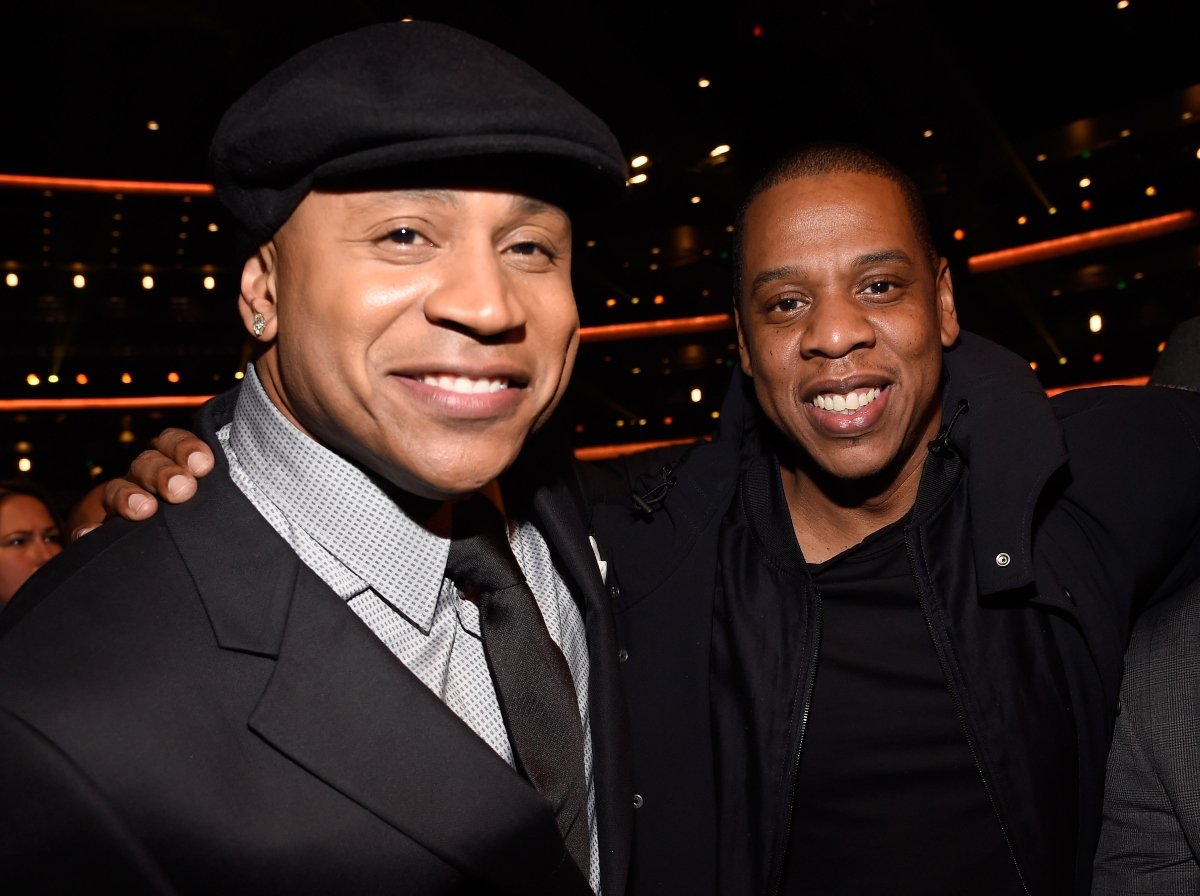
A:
(28, 538)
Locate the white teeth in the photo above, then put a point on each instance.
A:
(848, 403)
(464, 384)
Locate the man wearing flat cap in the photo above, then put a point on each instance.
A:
(374, 654)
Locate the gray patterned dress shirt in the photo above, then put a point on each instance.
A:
(390, 570)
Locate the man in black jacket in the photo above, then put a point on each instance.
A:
(312, 678)
(893, 593)
(872, 632)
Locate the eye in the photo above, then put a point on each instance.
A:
(533, 256)
(530, 247)
(879, 287)
(406, 236)
(785, 305)
(885, 290)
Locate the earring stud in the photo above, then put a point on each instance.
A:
(260, 324)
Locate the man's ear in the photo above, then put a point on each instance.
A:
(743, 349)
(257, 300)
(947, 312)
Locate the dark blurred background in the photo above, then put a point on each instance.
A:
(1024, 122)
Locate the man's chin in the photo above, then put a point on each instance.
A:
(855, 469)
(446, 486)
(444, 479)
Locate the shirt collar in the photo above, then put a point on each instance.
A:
(338, 505)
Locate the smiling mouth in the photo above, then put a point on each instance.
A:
(848, 403)
(466, 385)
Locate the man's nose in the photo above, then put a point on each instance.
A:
(836, 326)
(479, 295)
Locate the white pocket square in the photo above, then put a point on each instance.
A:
(602, 563)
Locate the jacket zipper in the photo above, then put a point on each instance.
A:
(781, 845)
(958, 709)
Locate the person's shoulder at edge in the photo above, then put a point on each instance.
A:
(1156, 407)
(976, 356)
(1143, 441)
(1134, 464)
(1179, 364)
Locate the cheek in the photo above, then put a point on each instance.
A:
(555, 343)
(554, 329)
(566, 310)
(328, 335)
(568, 364)
(912, 336)
(346, 305)
(559, 360)
(776, 353)
(379, 305)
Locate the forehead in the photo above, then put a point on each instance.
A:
(847, 207)
(450, 199)
(326, 211)
(18, 510)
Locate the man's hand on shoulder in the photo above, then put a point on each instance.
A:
(168, 469)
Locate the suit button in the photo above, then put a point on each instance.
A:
(622, 655)
(614, 592)
(637, 801)
(1002, 559)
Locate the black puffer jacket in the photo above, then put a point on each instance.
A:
(1033, 543)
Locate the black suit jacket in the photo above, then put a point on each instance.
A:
(186, 707)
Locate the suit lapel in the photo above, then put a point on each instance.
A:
(344, 708)
(547, 479)
(341, 706)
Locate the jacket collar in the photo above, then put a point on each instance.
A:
(1007, 434)
(1011, 440)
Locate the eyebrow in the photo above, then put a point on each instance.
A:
(762, 278)
(791, 271)
(882, 256)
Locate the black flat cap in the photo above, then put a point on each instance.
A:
(391, 101)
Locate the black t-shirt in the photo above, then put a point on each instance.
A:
(889, 799)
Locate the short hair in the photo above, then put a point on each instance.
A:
(833, 157)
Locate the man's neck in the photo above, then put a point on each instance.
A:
(830, 517)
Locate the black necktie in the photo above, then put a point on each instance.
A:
(532, 679)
